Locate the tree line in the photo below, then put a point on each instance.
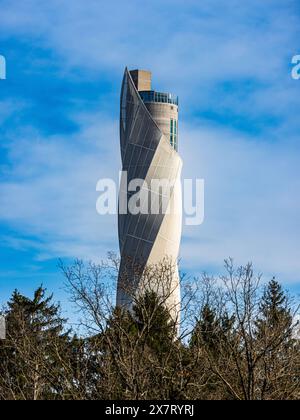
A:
(234, 338)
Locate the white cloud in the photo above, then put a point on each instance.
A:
(192, 49)
(50, 191)
(252, 202)
(252, 181)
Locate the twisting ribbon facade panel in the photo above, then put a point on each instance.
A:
(149, 153)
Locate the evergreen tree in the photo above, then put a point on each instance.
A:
(275, 313)
(34, 337)
(211, 331)
(276, 352)
(152, 317)
(38, 317)
(211, 342)
(205, 330)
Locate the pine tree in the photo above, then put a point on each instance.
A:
(34, 334)
(275, 313)
(211, 343)
(38, 317)
(154, 319)
(210, 330)
(275, 344)
(205, 330)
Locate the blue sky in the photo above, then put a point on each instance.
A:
(229, 62)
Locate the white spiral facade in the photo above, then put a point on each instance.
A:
(148, 239)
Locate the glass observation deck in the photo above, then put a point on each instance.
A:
(152, 96)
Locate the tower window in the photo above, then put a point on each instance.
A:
(173, 133)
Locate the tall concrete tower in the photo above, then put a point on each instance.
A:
(149, 150)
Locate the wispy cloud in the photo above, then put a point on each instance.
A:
(50, 194)
(229, 61)
(252, 205)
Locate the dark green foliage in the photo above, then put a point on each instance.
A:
(275, 311)
(34, 335)
(211, 330)
(244, 348)
(152, 317)
(38, 317)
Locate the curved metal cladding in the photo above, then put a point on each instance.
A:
(146, 238)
